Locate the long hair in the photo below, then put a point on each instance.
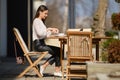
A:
(40, 8)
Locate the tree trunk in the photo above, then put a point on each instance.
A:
(65, 25)
(99, 18)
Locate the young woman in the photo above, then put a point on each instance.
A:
(40, 32)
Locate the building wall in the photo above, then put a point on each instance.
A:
(17, 16)
(3, 28)
(13, 14)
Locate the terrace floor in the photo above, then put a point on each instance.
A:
(96, 71)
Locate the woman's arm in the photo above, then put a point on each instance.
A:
(39, 29)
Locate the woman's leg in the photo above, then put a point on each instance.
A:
(57, 58)
(39, 45)
(51, 59)
(54, 51)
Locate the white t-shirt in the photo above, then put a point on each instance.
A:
(39, 29)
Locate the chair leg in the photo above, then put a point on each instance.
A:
(33, 66)
(27, 69)
(66, 73)
(37, 72)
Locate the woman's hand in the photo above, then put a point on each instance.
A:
(53, 30)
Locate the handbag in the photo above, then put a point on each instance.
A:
(19, 59)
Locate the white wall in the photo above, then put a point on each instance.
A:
(3, 28)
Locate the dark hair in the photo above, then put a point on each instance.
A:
(41, 8)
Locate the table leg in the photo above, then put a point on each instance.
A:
(61, 55)
(97, 51)
(96, 43)
(61, 52)
(62, 43)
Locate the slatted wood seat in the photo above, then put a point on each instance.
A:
(28, 55)
(79, 51)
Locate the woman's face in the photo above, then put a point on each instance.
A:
(44, 14)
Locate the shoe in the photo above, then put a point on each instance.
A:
(58, 73)
(41, 70)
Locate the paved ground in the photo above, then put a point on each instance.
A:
(9, 70)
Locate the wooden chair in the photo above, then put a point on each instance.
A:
(28, 54)
(79, 51)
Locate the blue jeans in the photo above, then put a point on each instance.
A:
(39, 45)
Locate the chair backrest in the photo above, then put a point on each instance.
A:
(79, 44)
(20, 40)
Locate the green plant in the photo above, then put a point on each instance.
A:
(107, 43)
(104, 54)
(111, 33)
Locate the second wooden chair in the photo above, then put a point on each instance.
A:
(79, 51)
